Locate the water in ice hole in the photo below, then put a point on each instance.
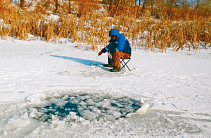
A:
(91, 107)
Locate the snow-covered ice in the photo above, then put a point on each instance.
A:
(57, 90)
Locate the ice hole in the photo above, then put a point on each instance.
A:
(92, 107)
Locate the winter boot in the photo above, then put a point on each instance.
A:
(108, 65)
(115, 70)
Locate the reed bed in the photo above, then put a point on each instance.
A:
(91, 27)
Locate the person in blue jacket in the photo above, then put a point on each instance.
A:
(118, 47)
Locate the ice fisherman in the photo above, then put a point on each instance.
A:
(117, 48)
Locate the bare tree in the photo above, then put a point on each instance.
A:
(21, 3)
(69, 7)
(56, 5)
(197, 4)
(1, 6)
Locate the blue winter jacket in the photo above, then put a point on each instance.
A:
(121, 44)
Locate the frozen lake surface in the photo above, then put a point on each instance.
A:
(56, 90)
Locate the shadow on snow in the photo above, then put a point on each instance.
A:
(81, 61)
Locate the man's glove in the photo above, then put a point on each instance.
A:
(100, 53)
(104, 50)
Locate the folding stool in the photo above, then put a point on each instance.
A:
(124, 63)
